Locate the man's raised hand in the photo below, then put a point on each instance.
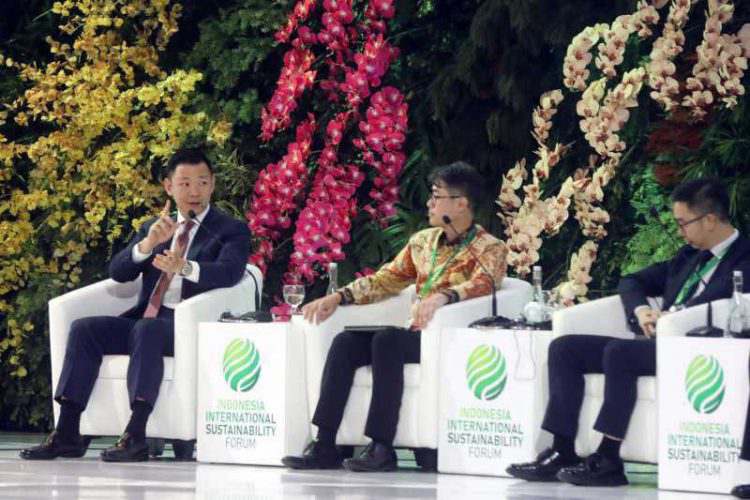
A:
(160, 231)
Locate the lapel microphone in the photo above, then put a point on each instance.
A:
(257, 315)
(491, 320)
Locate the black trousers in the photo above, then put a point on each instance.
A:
(387, 352)
(147, 341)
(621, 362)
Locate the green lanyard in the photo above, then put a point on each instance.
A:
(697, 276)
(435, 272)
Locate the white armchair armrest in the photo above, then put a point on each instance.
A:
(677, 324)
(391, 311)
(598, 317)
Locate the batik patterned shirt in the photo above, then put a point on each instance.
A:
(462, 277)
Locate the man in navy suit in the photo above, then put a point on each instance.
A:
(177, 258)
(700, 272)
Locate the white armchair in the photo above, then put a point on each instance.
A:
(418, 417)
(607, 317)
(108, 410)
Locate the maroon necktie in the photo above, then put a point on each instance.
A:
(154, 303)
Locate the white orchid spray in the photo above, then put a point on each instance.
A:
(525, 220)
(604, 109)
(721, 64)
(666, 48)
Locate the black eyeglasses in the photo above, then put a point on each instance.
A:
(434, 197)
(686, 223)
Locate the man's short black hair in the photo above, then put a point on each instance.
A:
(704, 196)
(460, 178)
(190, 156)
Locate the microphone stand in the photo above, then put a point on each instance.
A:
(494, 319)
(709, 330)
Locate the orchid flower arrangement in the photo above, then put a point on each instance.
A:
(604, 109)
(340, 54)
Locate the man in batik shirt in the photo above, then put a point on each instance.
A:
(441, 264)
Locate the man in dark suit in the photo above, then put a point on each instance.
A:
(199, 250)
(700, 272)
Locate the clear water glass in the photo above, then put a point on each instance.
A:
(294, 295)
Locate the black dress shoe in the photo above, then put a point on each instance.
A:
(127, 449)
(376, 457)
(741, 491)
(596, 470)
(317, 455)
(545, 468)
(55, 446)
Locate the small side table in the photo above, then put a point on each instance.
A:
(492, 399)
(702, 397)
(252, 405)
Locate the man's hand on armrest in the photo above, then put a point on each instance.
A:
(425, 309)
(647, 318)
(320, 309)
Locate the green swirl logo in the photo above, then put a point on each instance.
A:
(486, 372)
(704, 384)
(241, 365)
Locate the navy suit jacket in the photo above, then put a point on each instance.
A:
(665, 279)
(221, 253)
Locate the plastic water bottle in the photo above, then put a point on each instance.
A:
(333, 278)
(738, 322)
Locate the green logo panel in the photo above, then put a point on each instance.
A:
(704, 384)
(486, 372)
(241, 365)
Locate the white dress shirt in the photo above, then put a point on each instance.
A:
(716, 250)
(173, 295)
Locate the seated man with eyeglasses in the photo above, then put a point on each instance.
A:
(445, 271)
(700, 272)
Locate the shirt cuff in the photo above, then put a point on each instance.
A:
(139, 256)
(194, 275)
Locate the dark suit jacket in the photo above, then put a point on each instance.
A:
(221, 247)
(665, 280)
